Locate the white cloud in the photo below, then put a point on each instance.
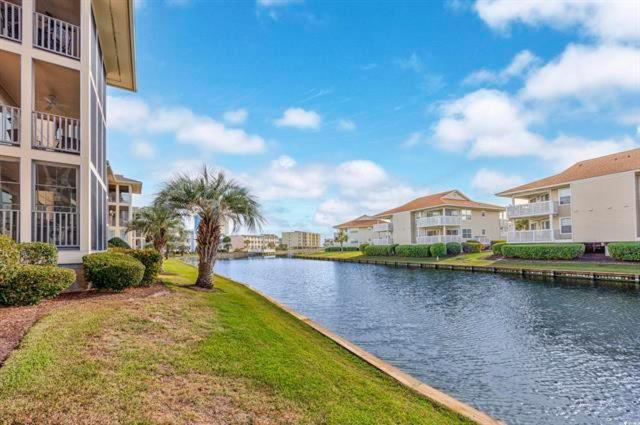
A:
(360, 174)
(134, 116)
(299, 118)
(346, 125)
(335, 211)
(413, 139)
(612, 20)
(586, 71)
(522, 63)
(236, 116)
(490, 181)
(142, 149)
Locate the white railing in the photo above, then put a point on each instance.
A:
(382, 241)
(9, 125)
(382, 227)
(55, 132)
(10, 223)
(438, 239)
(543, 235)
(58, 228)
(439, 220)
(56, 36)
(532, 209)
(10, 21)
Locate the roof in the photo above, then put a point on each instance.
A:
(453, 198)
(115, 22)
(136, 185)
(596, 167)
(362, 221)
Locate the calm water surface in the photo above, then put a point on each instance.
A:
(526, 352)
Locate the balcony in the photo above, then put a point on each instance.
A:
(55, 133)
(438, 239)
(382, 241)
(56, 35)
(9, 222)
(532, 209)
(10, 21)
(9, 125)
(439, 220)
(530, 236)
(58, 228)
(382, 227)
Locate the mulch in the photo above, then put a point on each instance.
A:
(16, 321)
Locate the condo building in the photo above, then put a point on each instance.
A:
(301, 240)
(121, 210)
(56, 58)
(442, 217)
(255, 243)
(594, 202)
(360, 230)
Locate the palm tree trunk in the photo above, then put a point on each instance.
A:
(204, 274)
(208, 239)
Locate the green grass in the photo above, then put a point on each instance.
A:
(225, 356)
(346, 254)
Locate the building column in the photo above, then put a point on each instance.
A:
(553, 236)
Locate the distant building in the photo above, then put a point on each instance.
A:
(255, 243)
(360, 230)
(301, 240)
(121, 209)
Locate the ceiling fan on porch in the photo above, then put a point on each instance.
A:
(53, 105)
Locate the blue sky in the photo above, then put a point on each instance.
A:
(328, 110)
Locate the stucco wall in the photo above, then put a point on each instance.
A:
(359, 235)
(402, 228)
(490, 222)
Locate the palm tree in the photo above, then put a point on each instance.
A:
(216, 200)
(156, 223)
(341, 238)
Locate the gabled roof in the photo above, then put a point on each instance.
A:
(596, 167)
(362, 221)
(453, 198)
(136, 185)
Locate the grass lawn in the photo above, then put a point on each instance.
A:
(190, 356)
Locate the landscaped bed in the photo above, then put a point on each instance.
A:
(222, 356)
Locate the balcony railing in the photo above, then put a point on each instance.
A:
(382, 241)
(543, 235)
(55, 132)
(382, 227)
(532, 209)
(10, 21)
(438, 239)
(439, 220)
(58, 228)
(9, 125)
(10, 223)
(56, 36)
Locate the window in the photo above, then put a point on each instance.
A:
(484, 232)
(453, 232)
(484, 213)
(466, 233)
(546, 225)
(466, 214)
(565, 196)
(565, 225)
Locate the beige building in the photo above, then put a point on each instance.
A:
(442, 217)
(121, 210)
(360, 230)
(56, 58)
(593, 201)
(301, 240)
(255, 243)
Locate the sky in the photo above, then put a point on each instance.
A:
(327, 110)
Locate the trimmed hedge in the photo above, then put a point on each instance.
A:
(38, 253)
(416, 251)
(492, 243)
(625, 251)
(150, 259)
(116, 242)
(471, 246)
(338, 249)
(362, 247)
(497, 247)
(112, 270)
(30, 284)
(438, 249)
(454, 248)
(9, 258)
(380, 250)
(551, 251)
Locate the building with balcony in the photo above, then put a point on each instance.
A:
(56, 58)
(120, 208)
(259, 244)
(594, 201)
(301, 240)
(364, 229)
(442, 217)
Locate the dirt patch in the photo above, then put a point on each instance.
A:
(16, 321)
(201, 289)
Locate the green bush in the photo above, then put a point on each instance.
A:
(497, 247)
(471, 246)
(492, 243)
(150, 259)
(438, 249)
(625, 251)
(338, 249)
(454, 248)
(112, 270)
(362, 247)
(32, 283)
(38, 253)
(9, 258)
(116, 242)
(415, 251)
(379, 250)
(551, 251)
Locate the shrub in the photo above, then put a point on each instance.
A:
(379, 250)
(32, 283)
(116, 242)
(362, 247)
(112, 270)
(497, 247)
(454, 248)
(9, 258)
(338, 249)
(38, 253)
(438, 249)
(552, 251)
(625, 251)
(150, 259)
(492, 243)
(471, 246)
(416, 251)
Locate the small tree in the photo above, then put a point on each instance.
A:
(341, 238)
(156, 223)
